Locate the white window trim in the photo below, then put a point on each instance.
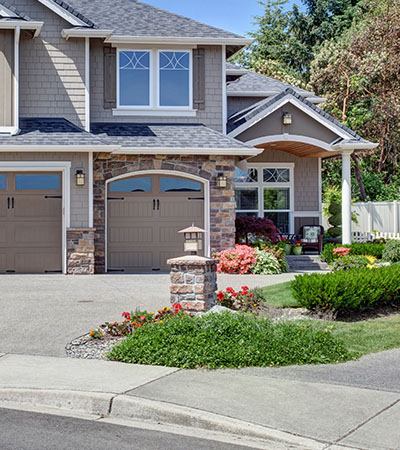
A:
(50, 166)
(154, 108)
(260, 185)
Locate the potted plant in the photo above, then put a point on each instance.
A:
(297, 248)
(287, 246)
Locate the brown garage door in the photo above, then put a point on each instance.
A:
(144, 217)
(30, 222)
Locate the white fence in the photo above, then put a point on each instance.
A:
(375, 220)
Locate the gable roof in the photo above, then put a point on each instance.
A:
(252, 83)
(249, 115)
(10, 12)
(134, 18)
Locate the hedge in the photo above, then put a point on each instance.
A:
(348, 291)
(367, 248)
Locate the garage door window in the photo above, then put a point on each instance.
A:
(3, 182)
(179, 185)
(24, 182)
(135, 184)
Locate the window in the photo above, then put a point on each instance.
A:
(3, 182)
(135, 184)
(155, 80)
(179, 185)
(134, 78)
(174, 79)
(37, 182)
(265, 192)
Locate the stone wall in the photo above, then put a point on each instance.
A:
(80, 251)
(222, 201)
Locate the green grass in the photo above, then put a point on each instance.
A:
(280, 295)
(229, 340)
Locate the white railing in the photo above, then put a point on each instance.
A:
(361, 236)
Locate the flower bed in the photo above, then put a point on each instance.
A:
(332, 252)
(243, 259)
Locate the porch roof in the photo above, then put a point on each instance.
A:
(343, 138)
(56, 133)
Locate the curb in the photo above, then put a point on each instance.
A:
(125, 407)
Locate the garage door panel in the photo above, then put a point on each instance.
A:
(37, 234)
(3, 206)
(129, 208)
(123, 234)
(4, 227)
(3, 260)
(137, 259)
(180, 208)
(37, 260)
(37, 206)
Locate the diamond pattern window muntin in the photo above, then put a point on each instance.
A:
(276, 175)
(250, 177)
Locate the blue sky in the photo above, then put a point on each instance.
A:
(231, 15)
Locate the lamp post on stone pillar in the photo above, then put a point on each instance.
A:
(193, 277)
(346, 197)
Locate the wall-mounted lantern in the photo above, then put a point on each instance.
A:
(221, 181)
(80, 177)
(193, 239)
(287, 118)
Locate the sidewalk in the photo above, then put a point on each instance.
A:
(251, 402)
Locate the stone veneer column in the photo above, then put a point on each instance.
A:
(193, 282)
(80, 251)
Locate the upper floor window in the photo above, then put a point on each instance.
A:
(150, 79)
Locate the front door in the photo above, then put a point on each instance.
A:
(30, 222)
(144, 216)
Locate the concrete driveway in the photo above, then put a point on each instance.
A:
(40, 314)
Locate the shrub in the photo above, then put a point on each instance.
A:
(243, 300)
(350, 262)
(240, 259)
(266, 263)
(229, 340)
(363, 249)
(392, 251)
(250, 229)
(347, 291)
(276, 250)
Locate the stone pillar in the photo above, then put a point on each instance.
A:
(193, 282)
(346, 197)
(80, 251)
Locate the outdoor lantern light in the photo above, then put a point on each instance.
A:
(193, 239)
(221, 180)
(80, 177)
(287, 118)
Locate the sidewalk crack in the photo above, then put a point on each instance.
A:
(366, 421)
(151, 381)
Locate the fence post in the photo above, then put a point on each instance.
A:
(369, 208)
(395, 217)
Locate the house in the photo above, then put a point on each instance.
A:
(122, 123)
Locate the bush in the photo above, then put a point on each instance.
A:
(392, 251)
(249, 229)
(348, 291)
(229, 340)
(368, 248)
(350, 262)
(240, 259)
(267, 263)
(276, 250)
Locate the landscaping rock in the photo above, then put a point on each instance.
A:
(219, 309)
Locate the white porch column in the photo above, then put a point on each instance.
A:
(346, 197)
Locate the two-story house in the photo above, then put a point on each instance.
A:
(122, 123)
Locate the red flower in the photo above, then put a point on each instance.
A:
(230, 290)
(251, 294)
(142, 317)
(245, 288)
(220, 296)
(177, 307)
(126, 315)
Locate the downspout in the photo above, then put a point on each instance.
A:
(17, 35)
(87, 84)
(224, 95)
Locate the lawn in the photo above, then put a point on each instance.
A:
(280, 295)
(360, 338)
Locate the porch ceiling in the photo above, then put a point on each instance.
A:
(300, 149)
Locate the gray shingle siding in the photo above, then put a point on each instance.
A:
(51, 69)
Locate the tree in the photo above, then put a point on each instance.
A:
(359, 74)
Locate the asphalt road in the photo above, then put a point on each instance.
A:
(21, 430)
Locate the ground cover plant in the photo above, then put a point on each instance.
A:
(392, 251)
(345, 292)
(229, 340)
